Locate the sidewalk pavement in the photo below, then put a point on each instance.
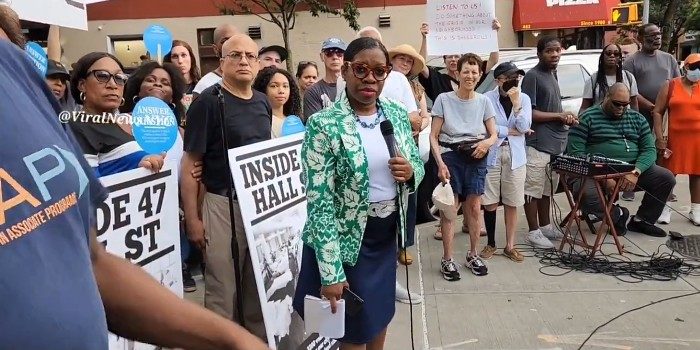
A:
(517, 307)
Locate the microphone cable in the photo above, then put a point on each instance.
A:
(410, 307)
(408, 287)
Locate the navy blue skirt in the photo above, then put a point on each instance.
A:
(373, 278)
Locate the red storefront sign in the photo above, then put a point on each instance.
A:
(558, 14)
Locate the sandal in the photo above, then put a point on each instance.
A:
(405, 258)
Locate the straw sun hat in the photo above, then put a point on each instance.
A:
(408, 50)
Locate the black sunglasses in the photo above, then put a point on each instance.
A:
(334, 52)
(619, 104)
(104, 76)
(613, 53)
(361, 71)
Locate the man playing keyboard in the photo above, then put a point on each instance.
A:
(613, 130)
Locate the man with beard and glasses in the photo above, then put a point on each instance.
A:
(248, 119)
(615, 131)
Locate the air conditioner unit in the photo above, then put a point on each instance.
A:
(385, 20)
(254, 32)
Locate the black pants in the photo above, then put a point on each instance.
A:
(656, 182)
(425, 191)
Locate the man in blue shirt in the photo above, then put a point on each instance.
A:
(59, 288)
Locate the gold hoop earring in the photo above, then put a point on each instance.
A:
(135, 99)
(82, 96)
(123, 101)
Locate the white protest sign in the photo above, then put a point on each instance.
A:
(268, 182)
(461, 26)
(64, 13)
(139, 222)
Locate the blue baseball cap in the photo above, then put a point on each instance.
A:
(334, 43)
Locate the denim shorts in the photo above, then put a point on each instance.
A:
(465, 178)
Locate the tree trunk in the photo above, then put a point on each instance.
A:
(285, 38)
(667, 25)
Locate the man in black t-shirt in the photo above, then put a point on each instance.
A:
(247, 120)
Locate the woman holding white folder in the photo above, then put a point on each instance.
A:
(356, 197)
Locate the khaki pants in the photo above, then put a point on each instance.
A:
(219, 278)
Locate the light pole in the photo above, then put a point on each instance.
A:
(645, 18)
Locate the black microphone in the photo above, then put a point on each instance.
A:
(388, 133)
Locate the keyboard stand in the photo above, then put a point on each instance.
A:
(576, 205)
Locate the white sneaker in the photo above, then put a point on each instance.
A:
(539, 240)
(402, 296)
(695, 217)
(552, 232)
(665, 217)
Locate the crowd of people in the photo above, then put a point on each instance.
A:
(363, 199)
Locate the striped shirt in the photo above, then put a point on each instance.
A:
(627, 139)
(108, 149)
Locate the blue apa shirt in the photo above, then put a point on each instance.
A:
(49, 297)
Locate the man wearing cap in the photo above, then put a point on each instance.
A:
(323, 93)
(273, 55)
(505, 179)
(57, 77)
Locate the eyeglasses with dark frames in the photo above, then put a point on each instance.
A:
(361, 70)
(104, 76)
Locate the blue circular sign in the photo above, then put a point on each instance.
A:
(158, 40)
(38, 56)
(154, 125)
(292, 125)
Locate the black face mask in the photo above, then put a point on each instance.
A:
(509, 85)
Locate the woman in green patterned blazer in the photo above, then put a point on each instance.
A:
(357, 197)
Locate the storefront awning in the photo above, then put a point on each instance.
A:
(559, 14)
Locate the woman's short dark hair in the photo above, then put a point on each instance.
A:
(133, 87)
(361, 44)
(544, 41)
(194, 69)
(303, 65)
(293, 104)
(81, 68)
(471, 59)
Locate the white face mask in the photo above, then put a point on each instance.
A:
(693, 75)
